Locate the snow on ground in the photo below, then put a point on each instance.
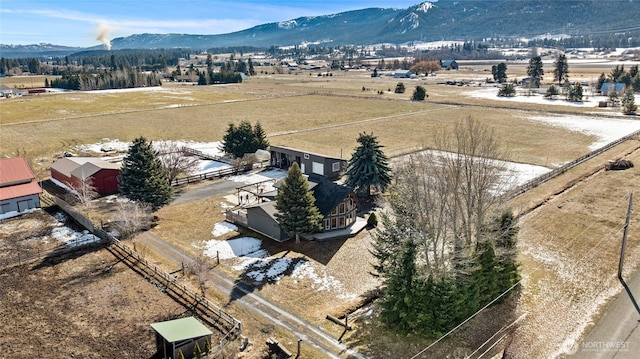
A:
(232, 248)
(69, 236)
(12, 214)
(205, 166)
(607, 130)
(320, 282)
(223, 228)
(491, 93)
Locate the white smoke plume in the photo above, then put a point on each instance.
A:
(103, 35)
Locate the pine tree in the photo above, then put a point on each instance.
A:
(535, 69)
(142, 177)
(419, 94)
(401, 292)
(628, 103)
(297, 211)
(260, 137)
(561, 69)
(368, 166)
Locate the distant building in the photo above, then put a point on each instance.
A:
(402, 74)
(73, 170)
(19, 190)
(608, 87)
(180, 335)
(449, 65)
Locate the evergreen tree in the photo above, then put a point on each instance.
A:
(419, 94)
(297, 211)
(239, 140)
(535, 69)
(552, 91)
(399, 88)
(561, 69)
(601, 80)
(628, 103)
(368, 166)
(499, 72)
(260, 137)
(574, 92)
(400, 295)
(142, 176)
(507, 90)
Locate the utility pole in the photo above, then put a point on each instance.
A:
(622, 249)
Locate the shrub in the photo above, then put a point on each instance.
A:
(507, 90)
(400, 88)
(419, 94)
(372, 221)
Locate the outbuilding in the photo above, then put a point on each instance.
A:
(19, 190)
(181, 335)
(72, 171)
(310, 163)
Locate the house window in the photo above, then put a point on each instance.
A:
(306, 156)
(335, 167)
(335, 211)
(327, 224)
(341, 221)
(341, 206)
(333, 223)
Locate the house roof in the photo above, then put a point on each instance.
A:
(181, 329)
(20, 190)
(609, 86)
(328, 194)
(14, 171)
(76, 166)
(275, 148)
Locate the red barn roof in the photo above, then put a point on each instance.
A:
(16, 179)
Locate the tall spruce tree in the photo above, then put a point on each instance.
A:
(297, 211)
(142, 176)
(401, 295)
(368, 166)
(259, 137)
(560, 69)
(535, 69)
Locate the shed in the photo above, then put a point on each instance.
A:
(449, 65)
(73, 170)
(19, 190)
(178, 335)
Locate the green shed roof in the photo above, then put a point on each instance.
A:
(181, 329)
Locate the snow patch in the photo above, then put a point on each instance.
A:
(232, 248)
(223, 228)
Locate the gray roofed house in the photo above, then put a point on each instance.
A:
(608, 87)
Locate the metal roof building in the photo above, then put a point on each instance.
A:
(181, 334)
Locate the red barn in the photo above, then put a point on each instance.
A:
(102, 174)
(19, 190)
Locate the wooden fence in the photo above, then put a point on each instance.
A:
(203, 176)
(560, 170)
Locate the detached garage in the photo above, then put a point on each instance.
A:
(73, 170)
(19, 190)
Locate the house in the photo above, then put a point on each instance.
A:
(19, 190)
(180, 335)
(449, 65)
(402, 74)
(608, 87)
(530, 82)
(310, 163)
(72, 171)
(336, 203)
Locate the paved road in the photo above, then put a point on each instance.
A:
(244, 296)
(617, 333)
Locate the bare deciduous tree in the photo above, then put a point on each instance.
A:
(132, 217)
(83, 192)
(443, 198)
(174, 160)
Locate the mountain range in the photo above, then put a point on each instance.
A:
(427, 21)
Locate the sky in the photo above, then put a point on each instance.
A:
(81, 22)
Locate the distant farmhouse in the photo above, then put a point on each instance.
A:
(102, 174)
(403, 74)
(449, 65)
(608, 87)
(19, 190)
